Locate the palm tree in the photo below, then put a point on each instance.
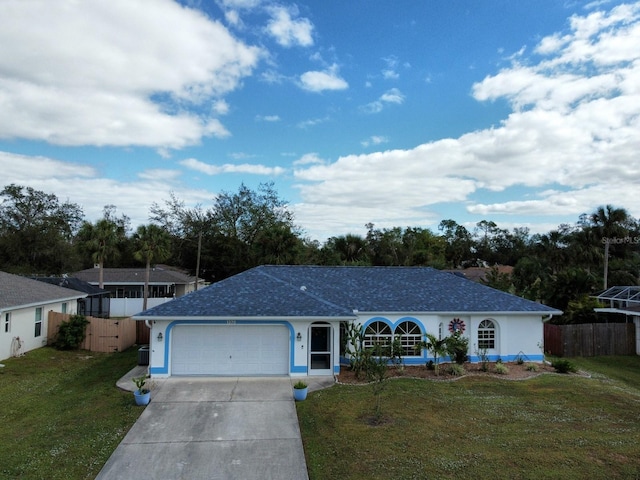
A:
(153, 244)
(609, 222)
(101, 241)
(437, 347)
(350, 247)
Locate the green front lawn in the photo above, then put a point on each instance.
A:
(61, 415)
(550, 427)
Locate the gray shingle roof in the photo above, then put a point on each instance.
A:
(17, 291)
(288, 291)
(74, 284)
(133, 275)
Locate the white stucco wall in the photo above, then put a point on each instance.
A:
(160, 351)
(516, 335)
(23, 327)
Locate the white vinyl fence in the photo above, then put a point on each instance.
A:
(127, 307)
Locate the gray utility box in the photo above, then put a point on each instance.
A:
(143, 355)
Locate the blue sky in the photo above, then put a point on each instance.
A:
(403, 113)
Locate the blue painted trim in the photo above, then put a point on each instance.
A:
(394, 325)
(167, 336)
(508, 358)
(414, 360)
(417, 360)
(299, 369)
(336, 369)
(377, 319)
(411, 319)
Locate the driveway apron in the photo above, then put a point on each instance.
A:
(213, 428)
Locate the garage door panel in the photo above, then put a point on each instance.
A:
(230, 350)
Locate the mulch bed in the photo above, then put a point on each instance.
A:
(516, 372)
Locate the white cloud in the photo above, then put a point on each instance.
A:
(20, 168)
(87, 187)
(210, 169)
(233, 18)
(241, 4)
(393, 95)
(98, 84)
(390, 73)
(241, 155)
(325, 220)
(575, 124)
(220, 107)
(309, 159)
(329, 79)
(312, 122)
(272, 77)
(288, 31)
(159, 174)
(558, 203)
(267, 118)
(374, 140)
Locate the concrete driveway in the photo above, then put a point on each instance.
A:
(214, 428)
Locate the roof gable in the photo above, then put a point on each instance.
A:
(341, 291)
(17, 291)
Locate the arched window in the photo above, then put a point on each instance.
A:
(410, 335)
(486, 335)
(377, 333)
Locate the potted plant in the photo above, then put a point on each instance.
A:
(142, 395)
(300, 390)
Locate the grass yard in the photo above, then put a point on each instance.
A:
(61, 415)
(550, 427)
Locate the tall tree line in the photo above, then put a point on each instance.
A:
(39, 234)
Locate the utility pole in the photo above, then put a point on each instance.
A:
(198, 259)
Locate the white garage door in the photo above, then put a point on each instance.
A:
(230, 350)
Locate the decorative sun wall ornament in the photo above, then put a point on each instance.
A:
(457, 326)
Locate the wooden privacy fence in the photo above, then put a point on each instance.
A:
(103, 334)
(142, 333)
(590, 339)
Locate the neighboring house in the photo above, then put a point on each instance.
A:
(24, 305)
(126, 286)
(95, 304)
(287, 320)
(624, 300)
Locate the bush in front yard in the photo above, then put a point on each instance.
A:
(71, 333)
(562, 365)
(501, 368)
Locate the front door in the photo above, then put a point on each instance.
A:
(320, 351)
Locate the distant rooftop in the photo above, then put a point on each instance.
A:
(74, 284)
(158, 275)
(17, 291)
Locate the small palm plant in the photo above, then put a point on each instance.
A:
(438, 348)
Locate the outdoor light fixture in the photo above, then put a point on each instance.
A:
(160, 336)
(299, 337)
